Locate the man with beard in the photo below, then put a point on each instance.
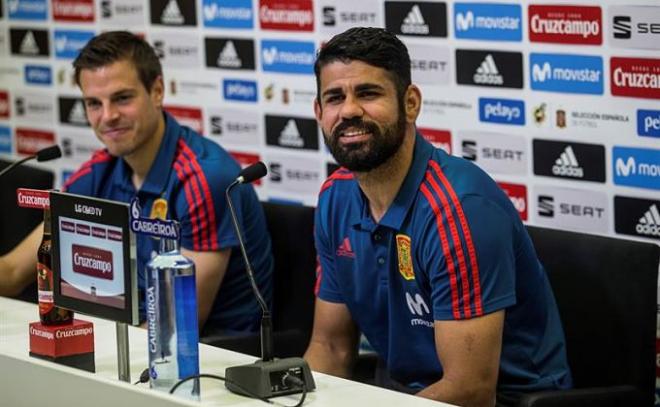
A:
(418, 250)
(174, 172)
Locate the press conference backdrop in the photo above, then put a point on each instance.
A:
(558, 101)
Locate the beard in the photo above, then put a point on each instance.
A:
(384, 142)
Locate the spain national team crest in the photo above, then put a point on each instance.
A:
(405, 257)
(159, 209)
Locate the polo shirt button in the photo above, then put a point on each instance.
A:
(381, 260)
(377, 237)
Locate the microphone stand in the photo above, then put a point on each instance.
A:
(16, 164)
(267, 377)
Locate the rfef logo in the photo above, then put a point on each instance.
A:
(29, 42)
(68, 43)
(29, 141)
(566, 73)
(38, 75)
(489, 68)
(565, 24)
(576, 161)
(648, 123)
(636, 77)
(636, 167)
(416, 18)
(635, 27)
(637, 217)
(187, 116)
(73, 10)
(502, 111)
(517, 193)
(230, 53)
(173, 12)
(295, 57)
(287, 15)
(227, 13)
(239, 90)
(27, 9)
(292, 132)
(439, 138)
(488, 21)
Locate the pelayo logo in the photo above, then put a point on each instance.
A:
(648, 123)
(502, 111)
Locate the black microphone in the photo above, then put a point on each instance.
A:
(267, 377)
(45, 154)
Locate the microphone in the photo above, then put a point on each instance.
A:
(267, 377)
(45, 154)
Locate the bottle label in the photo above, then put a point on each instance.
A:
(45, 287)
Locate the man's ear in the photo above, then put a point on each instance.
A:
(318, 111)
(413, 103)
(158, 91)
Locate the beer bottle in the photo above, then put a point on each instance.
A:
(49, 314)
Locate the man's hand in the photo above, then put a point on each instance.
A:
(18, 268)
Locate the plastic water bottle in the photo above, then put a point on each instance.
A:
(172, 321)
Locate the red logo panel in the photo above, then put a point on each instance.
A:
(566, 24)
(187, 116)
(439, 138)
(246, 159)
(4, 105)
(517, 193)
(29, 141)
(73, 10)
(637, 77)
(289, 15)
(92, 261)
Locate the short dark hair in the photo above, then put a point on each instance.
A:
(114, 46)
(374, 46)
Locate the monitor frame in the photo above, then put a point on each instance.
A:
(114, 214)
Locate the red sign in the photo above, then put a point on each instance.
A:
(92, 261)
(73, 10)
(62, 340)
(4, 105)
(288, 15)
(187, 116)
(439, 138)
(29, 141)
(637, 77)
(566, 24)
(246, 159)
(517, 193)
(32, 198)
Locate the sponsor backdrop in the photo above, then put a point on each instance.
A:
(558, 102)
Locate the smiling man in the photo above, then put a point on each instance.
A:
(419, 250)
(173, 171)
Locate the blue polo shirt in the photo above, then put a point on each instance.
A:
(450, 247)
(191, 173)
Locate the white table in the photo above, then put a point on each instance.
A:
(26, 381)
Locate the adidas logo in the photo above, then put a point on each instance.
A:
(172, 14)
(487, 73)
(77, 114)
(29, 44)
(414, 22)
(649, 224)
(228, 57)
(344, 249)
(290, 136)
(567, 165)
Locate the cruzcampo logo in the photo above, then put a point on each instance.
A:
(405, 257)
